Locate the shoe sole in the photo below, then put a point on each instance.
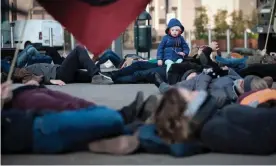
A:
(121, 145)
(150, 106)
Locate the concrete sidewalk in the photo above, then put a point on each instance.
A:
(116, 96)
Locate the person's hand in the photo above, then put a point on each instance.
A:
(32, 82)
(263, 52)
(160, 62)
(214, 46)
(199, 50)
(224, 68)
(57, 82)
(181, 53)
(6, 92)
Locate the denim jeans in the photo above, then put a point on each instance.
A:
(112, 56)
(26, 55)
(138, 72)
(73, 130)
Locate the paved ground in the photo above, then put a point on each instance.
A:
(116, 96)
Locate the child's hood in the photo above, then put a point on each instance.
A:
(174, 22)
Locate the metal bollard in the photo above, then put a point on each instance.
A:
(245, 39)
(51, 37)
(209, 36)
(228, 41)
(12, 39)
(72, 42)
(2, 41)
(118, 47)
(190, 39)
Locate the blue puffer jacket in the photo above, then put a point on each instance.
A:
(169, 45)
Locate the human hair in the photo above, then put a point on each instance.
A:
(269, 81)
(171, 124)
(258, 83)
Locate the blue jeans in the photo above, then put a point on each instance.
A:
(25, 56)
(112, 56)
(73, 130)
(138, 72)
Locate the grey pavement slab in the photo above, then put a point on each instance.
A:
(116, 96)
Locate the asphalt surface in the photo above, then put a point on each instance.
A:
(116, 96)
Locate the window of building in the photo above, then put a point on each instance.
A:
(35, 3)
(162, 21)
(14, 14)
(174, 8)
(38, 11)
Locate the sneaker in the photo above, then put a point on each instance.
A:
(121, 145)
(99, 79)
(105, 76)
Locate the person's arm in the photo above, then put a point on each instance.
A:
(233, 73)
(161, 47)
(200, 82)
(230, 61)
(185, 46)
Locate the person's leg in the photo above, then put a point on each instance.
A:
(241, 129)
(71, 130)
(145, 76)
(168, 64)
(137, 66)
(179, 61)
(261, 70)
(52, 52)
(78, 58)
(110, 55)
(25, 55)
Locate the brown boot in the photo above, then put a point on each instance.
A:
(121, 145)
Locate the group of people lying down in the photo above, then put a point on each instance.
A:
(134, 69)
(207, 108)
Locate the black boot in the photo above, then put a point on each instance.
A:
(149, 107)
(157, 79)
(130, 112)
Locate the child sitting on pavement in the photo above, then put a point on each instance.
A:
(173, 47)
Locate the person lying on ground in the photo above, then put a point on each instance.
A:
(39, 120)
(68, 72)
(232, 84)
(189, 122)
(210, 58)
(138, 72)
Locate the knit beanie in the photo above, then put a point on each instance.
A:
(247, 83)
(187, 73)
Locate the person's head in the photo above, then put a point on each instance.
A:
(171, 123)
(175, 28)
(250, 83)
(175, 31)
(189, 74)
(236, 55)
(269, 81)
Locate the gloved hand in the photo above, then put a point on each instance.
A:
(215, 72)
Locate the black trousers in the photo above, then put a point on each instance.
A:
(178, 69)
(261, 70)
(69, 70)
(241, 129)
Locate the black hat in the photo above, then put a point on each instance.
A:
(187, 73)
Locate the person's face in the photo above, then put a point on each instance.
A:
(192, 75)
(175, 31)
(187, 95)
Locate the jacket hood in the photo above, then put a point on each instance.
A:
(174, 22)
